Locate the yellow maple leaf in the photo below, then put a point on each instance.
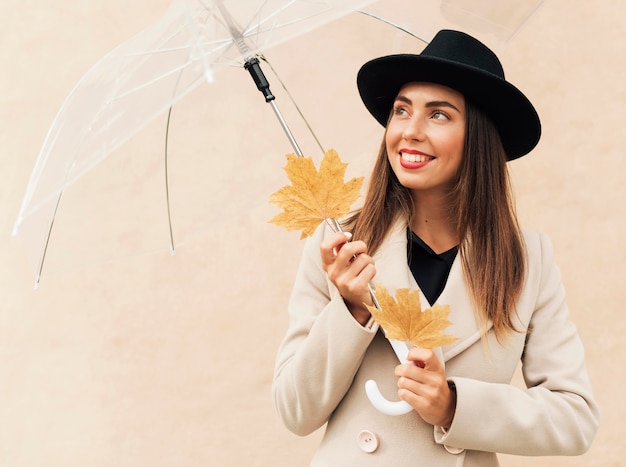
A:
(314, 196)
(404, 319)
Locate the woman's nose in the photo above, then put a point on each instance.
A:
(414, 130)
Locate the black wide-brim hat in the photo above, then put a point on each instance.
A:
(459, 61)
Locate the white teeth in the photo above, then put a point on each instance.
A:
(415, 157)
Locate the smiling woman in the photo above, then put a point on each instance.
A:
(439, 186)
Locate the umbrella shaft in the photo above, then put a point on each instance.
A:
(288, 132)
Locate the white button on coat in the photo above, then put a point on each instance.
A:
(368, 441)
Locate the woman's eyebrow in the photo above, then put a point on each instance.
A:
(442, 104)
(404, 99)
(430, 104)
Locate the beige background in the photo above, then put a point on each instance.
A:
(128, 356)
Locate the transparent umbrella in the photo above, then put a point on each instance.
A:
(143, 77)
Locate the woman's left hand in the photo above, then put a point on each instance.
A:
(422, 383)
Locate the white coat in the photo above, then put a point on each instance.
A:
(326, 357)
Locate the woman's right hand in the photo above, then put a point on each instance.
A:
(350, 269)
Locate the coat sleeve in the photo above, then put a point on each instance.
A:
(556, 414)
(321, 351)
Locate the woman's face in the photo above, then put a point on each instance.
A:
(425, 136)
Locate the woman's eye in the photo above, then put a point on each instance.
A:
(399, 110)
(439, 115)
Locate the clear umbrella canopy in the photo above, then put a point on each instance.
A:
(192, 44)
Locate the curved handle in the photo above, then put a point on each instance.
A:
(385, 406)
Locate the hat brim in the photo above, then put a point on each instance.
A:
(380, 80)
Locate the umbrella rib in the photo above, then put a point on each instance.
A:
(166, 163)
(255, 29)
(248, 31)
(47, 242)
(391, 23)
(146, 84)
(274, 14)
(167, 184)
(218, 43)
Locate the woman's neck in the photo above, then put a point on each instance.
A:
(432, 223)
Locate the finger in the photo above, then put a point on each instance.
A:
(418, 388)
(424, 358)
(343, 238)
(356, 278)
(363, 267)
(412, 372)
(423, 375)
(332, 244)
(335, 240)
(422, 386)
(349, 251)
(352, 278)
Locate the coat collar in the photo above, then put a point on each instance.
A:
(393, 272)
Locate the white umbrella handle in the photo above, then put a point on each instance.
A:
(377, 399)
(384, 405)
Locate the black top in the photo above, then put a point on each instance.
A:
(430, 270)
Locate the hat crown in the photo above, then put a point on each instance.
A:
(458, 47)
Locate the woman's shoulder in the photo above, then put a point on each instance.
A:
(531, 233)
(539, 252)
(537, 242)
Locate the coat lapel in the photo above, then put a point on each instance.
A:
(462, 313)
(393, 272)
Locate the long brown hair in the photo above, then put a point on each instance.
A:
(481, 205)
